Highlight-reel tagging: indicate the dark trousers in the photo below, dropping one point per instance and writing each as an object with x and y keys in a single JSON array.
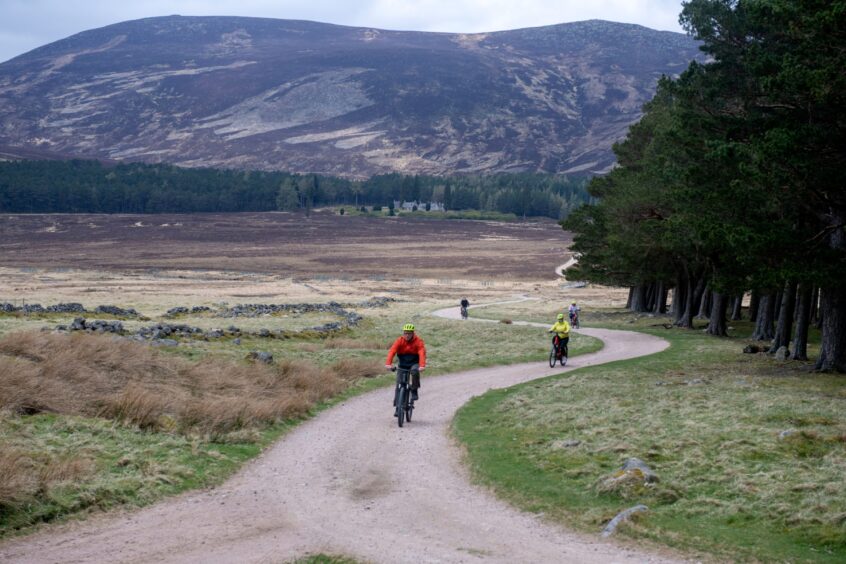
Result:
[
  {"x": 561, "y": 344},
  {"x": 415, "y": 374}
]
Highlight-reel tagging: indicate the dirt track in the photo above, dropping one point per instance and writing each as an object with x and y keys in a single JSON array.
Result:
[{"x": 350, "y": 482}]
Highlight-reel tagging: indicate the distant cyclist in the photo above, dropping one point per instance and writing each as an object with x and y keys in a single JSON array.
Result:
[
  {"x": 411, "y": 354},
  {"x": 574, "y": 314},
  {"x": 561, "y": 337},
  {"x": 464, "y": 305}
]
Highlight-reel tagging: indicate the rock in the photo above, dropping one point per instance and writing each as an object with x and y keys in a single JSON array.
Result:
[
  {"x": 611, "y": 527},
  {"x": 236, "y": 341},
  {"x": 260, "y": 356},
  {"x": 629, "y": 479},
  {"x": 696, "y": 381},
  {"x": 116, "y": 311},
  {"x": 165, "y": 343},
  {"x": 66, "y": 308},
  {"x": 638, "y": 464},
  {"x": 567, "y": 443},
  {"x": 786, "y": 433},
  {"x": 782, "y": 353}
]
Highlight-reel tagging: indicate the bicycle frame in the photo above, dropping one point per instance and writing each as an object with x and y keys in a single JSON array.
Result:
[{"x": 403, "y": 390}]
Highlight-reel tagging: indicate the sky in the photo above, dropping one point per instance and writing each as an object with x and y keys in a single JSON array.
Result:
[{"x": 27, "y": 24}]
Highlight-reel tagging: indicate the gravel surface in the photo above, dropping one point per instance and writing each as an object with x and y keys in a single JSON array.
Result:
[{"x": 351, "y": 482}]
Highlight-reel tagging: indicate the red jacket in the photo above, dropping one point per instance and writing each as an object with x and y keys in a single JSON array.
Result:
[{"x": 414, "y": 346}]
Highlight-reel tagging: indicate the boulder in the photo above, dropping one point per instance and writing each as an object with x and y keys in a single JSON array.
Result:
[
  {"x": 260, "y": 356},
  {"x": 611, "y": 527}
]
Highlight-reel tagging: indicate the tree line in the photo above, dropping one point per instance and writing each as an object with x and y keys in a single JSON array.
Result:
[
  {"x": 85, "y": 186},
  {"x": 732, "y": 183}
]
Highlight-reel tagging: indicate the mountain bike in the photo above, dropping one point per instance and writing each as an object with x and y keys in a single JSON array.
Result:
[
  {"x": 463, "y": 312},
  {"x": 403, "y": 404},
  {"x": 557, "y": 353},
  {"x": 574, "y": 320}
]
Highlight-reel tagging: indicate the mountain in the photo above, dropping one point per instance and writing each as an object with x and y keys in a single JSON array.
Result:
[{"x": 310, "y": 97}]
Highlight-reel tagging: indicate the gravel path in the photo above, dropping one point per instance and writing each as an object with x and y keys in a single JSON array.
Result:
[{"x": 351, "y": 482}]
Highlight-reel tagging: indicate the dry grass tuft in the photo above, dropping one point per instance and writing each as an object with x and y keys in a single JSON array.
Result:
[
  {"x": 18, "y": 480},
  {"x": 23, "y": 476},
  {"x": 103, "y": 376},
  {"x": 355, "y": 368},
  {"x": 346, "y": 343}
]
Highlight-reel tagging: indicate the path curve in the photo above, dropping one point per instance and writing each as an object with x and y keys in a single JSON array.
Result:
[{"x": 350, "y": 482}]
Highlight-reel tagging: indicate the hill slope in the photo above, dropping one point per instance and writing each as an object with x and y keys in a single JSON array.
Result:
[{"x": 312, "y": 97}]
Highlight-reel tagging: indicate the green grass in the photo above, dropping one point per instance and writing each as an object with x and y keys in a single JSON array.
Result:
[{"x": 706, "y": 418}]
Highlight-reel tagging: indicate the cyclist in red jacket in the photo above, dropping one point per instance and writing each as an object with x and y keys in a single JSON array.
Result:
[{"x": 411, "y": 353}]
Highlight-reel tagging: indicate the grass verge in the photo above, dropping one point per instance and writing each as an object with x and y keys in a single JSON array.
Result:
[{"x": 750, "y": 453}]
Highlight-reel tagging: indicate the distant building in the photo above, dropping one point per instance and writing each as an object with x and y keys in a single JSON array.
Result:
[{"x": 421, "y": 206}]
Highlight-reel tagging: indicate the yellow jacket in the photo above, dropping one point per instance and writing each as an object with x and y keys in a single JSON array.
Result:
[{"x": 562, "y": 328}]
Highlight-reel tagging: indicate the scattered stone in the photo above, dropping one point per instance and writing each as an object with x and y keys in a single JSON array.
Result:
[
  {"x": 696, "y": 381},
  {"x": 377, "y": 302},
  {"x": 786, "y": 433},
  {"x": 66, "y": 308},
  {"x": 260, "y": 356},
  {"x": 236, "y": 341},
  {"x": 97, "y": 326},
  {"x": 116, "y": 311},
  {"x": 782, "y": 353},
  {"x": 633, "y": 464},
  {"x": 631, "y": 477},
  {"x": 566, "y": 443},
  {"x": 164, "y": 343},
  {"x": 611, "y": 527}
]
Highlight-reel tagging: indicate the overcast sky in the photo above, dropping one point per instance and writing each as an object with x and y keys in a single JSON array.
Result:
[{"x": 27, "y": 24}]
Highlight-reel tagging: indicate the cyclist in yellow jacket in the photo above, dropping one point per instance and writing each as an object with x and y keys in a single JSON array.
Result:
[{"x": 561, "y": 337}]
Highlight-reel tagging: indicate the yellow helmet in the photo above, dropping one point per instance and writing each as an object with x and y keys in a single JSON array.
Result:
[
  {"x": 560, "y": 316},
  {"x": 408, "y": 327}
]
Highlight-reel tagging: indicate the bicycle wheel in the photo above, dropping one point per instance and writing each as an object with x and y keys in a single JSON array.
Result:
[
  {"x": 552, "y": 357},
  {"x": 408, "y": 409},
  {"x": 400, "y": 406}
]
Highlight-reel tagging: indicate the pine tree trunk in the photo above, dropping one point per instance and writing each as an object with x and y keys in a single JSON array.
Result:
[
  {"x": 833, "y": 345},
  {"x": 803, "y": 320},
  {"x": 639, "y": 299},
  {"x": 717, "y": 323},
  {"x": 737, "y": 308},
  {"x": 777, "y": 306},
  {"x": 764, "y": 321},
  {"x": 694, "y": 297},
  {"x": 660, "y": 305},
  {"x": 815, "y": 305},
  {"x": 784, "y": 328},
  {"x": 629, "y": 299},
  {"x": 679, "y": 297},
  {"x": 754, "y": 301},
  {"x": 704, "y": 305}
]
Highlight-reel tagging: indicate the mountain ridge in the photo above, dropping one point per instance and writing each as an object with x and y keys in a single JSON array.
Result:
[{"x": 305, "y": 96}]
